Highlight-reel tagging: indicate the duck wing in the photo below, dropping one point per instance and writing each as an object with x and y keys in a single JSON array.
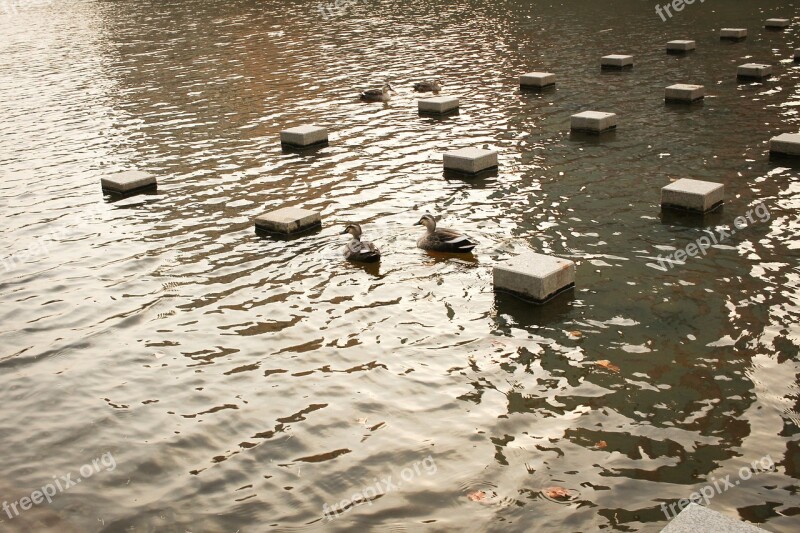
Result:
[
  {"x": 454, "y": 240},
  {"x": 365, "y": 252},
  {"x": 372, "y": 93}
]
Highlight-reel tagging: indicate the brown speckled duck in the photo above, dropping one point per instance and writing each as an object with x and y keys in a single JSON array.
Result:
[
  {"x": 358, "y": 251},
  {"x": 378, "y": 95},
  {"x": 428, "y": 86},
  {"x": 443, "y": 239}
]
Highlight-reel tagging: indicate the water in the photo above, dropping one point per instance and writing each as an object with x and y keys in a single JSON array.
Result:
[{"x": 241, "y": 384}]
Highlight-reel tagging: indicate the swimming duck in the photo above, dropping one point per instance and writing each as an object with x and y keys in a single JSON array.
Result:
[
  {"x": 443, "y": 239},
  {"x": 427, "y": 86},
  {"x": 361, "y": 252},
  {"x": 378, "y": 95}
]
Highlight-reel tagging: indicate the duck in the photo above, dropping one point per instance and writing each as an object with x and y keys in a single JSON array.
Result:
[
  {"x": 443, "y": 239},
  {"x": 358, "y": 251},
  {"x": 378, "y": 95},
  {"x": 428, "y": 86}
]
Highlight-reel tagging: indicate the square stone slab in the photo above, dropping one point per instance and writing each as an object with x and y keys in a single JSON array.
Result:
[
  {"x": 128, "y": 182},
  {"x": 616, "y": 61},
  {"x": 786, "y": 144},
  {"x": 692, "y": 195},
  {"x": 681, "y": 46},
  {"x": 754, "y": 71},
  {"x": 593, "y": 121},
  {"x": 438, "y": 105},
  {"x": 733, "y": 33},
  {"x": 777, "y": 24},
  {"x": 470, "y": 160},
  {"x": 697, "y": 519},
  {"x": 684, "y": 93},
  {"x": 534, "y": 277},
  {"x": 537, "y": 80},
  {"x": 797, "y": 54},
  {"x": 288, "y": 220},
  {"x": 304, "y": 136}
]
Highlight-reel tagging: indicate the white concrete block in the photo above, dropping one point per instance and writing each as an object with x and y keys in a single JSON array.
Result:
[
  {"x": 304, "y": 136},
  {"x": 534, "y": 277},
  {"x": 129, "y": 182},
  {"x": 797, "y": 54},
  {"x": 439, "y": 105},
  {"x": 617, "y": 61},
  {"x": 684, "y": 93},
  {"x": 754, "y": 71},
  {"x": 288, "y": 220},
  {"x": 470, "y": 160},
  {"x": 681, "y": 46},
  {"x": 537, "y": 80},
  {"x": 777, "y": 24},
  {"x": 733, "y": 33},
  {"x": 692, "y": 195},
  {"x": 593, "y": 121},
  {"x": 696, "y": 519},
  {"x": 786, "y": 144}
]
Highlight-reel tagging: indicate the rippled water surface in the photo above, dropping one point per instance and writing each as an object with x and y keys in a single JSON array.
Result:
[{"x": 242, "y": 383}]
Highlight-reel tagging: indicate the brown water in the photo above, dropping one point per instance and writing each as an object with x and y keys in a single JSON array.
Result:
[{"x": 240, "y": 383}]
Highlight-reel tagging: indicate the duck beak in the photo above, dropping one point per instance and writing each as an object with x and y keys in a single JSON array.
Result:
[
  {"x": 343, "y": 232},
  {"x": 419, "y": 223}
]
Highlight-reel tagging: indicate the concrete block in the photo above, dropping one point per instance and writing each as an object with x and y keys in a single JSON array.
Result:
[
  {"x": 684, "y": 93},
  {"x": 439, "y": 105},
  {"x": 734, "y": 34},
  {"x": 681, "y": 46},
  {"x": 288, "y": 220},
  {"x": 756, "y": 71},
  {"x": 786, "y": 144},
  {"x": 534, "y": 277},
  {"x": 537, "y": 80},
  {"x": 129, "y": 182},
  {"x": 593, "y": 121},
  {"x": 616, "y": 61},
  {"x": 692, "y": 195},
  {"x": 797, "y": 54},
  {"x": 695, "y": 518},
  {"x": 304, "y": 136},
  {"x": 777, "y": 24},
  {"x": 470, "y": 161}
]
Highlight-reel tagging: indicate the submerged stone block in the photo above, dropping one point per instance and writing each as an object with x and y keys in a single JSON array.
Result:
[
  {"x": 304, "y": 136},
  {"x": 470, "y": 161},
  {"x": 786, "y": 144},
  {"x": 777, "y": 24},
  {"x": 733, "y": 34},
  {"x": 537, "y": 80},
  {"x": 692, "y": 195},
  {"x": 534, "y": 277},
  {"x": 754, "y": 71},
  {"x": 695, "y": 518},
  {"x": 684, "y": 93},
  {"x": 797, "y": 54},
  {"x": 439, "y": 105},
  {"x": 616, "y": 61},
  {"x": 129, "y": 182},
  {"x": 288, "y": 220},
  {"x": 593, "y": 121},
  {"x": 681, "y": 46}
]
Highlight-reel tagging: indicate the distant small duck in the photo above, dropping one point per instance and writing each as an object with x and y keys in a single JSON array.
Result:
[
  {"x": 360, "y": 252},
  {"x": 428, "y": 86},
  {"x": 378, "y": 95},
  {"x": 442, "y": 239}
]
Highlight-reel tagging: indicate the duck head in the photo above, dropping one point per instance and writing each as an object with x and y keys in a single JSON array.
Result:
[
  {"x": 428, "y": 221},
  {"x": 354, "y": 230},
  {"x": 437, "y": 85},
  {"x": 388, "y": 89}
]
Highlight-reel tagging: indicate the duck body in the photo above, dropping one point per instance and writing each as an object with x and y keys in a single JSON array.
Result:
[
  {"x": 428, "y": 86},
  {"x": 357, "y": 250},
  {"x": 443, "y": 240},
  {"x": 377, "y": 95}
]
